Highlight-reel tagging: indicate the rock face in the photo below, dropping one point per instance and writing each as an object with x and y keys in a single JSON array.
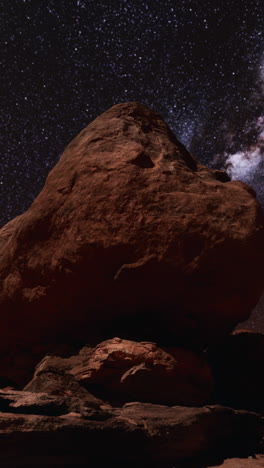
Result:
[
  {"x": 237, "y": 363},
  {"x": 58, "y": 421},
  {"x": 139, "y": 433},
  {"x": 122, "y": 371},
  {"x": 130, "y": 236},
  {"x": 257, "y": 461}
]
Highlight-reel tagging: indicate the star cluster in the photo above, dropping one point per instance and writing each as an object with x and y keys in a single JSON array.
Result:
[{"x": 65, "y": 62}]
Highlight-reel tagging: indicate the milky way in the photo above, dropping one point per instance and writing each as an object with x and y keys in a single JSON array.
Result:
[{"x": 201, "y": 65}]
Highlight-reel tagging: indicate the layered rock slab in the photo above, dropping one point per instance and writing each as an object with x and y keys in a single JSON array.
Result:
[
  {"x": 130, "y": 236},
  {"x": 136, "y": 433}
]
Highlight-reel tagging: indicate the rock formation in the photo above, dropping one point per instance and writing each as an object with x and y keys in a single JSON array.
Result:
[
  {"x": 55, "y": 422},
  {"x": 126, "y": 371},
  {"x": 132, "y": 237}
]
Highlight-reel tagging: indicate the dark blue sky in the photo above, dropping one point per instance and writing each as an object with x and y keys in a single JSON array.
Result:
[{"x": 201, "y": 65}]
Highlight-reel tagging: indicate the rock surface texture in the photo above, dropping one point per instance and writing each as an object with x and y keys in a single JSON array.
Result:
[
  {"x": 38, "y": 430},
  {"x": 257, "y": 461},
  {"x": 130, "y": 233},
  {"x": 130, "y": 237},
  {"x": 123, "y": 371},
  {"x": 55, "y": 421}
]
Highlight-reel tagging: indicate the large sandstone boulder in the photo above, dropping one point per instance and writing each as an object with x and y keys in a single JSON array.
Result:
[
  {"x": 123, "y": 370},
  {"x": 130, "y": 236}
]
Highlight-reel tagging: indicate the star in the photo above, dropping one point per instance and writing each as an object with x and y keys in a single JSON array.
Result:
[{"x": 64, "y": 63}]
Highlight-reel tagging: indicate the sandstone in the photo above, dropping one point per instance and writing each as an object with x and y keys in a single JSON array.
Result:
[
  {"x": 130, "y": 236},
  {"x": 32, "y": 403},
  {"x": 48, "y": 404},
  {"x": 123, "y": 370},
  {"x": 256, "y": 461},
  {"x": 141, "y": 433},
  {"x": 58, "y": 384}
]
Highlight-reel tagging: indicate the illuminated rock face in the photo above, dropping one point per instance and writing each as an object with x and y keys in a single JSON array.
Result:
[
  {"x": 38, "y": 430},
  {"x": 124, "y": 370},
  {"x": 130, "y": 237}
]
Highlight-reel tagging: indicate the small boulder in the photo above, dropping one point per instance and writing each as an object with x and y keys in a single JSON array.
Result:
[{"x": 122, "y": 370}]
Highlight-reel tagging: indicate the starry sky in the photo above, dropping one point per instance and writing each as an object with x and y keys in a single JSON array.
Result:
[{"x": 64, "y": 62}]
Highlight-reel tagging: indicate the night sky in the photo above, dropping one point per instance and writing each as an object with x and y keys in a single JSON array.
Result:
[{"x": 64, "y": 62}]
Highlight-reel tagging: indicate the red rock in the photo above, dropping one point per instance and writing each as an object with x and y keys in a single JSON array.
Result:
[
  {"x": 49, "y": 402},
  {"x": 32, "y": 403},
  {"x": 130, "y": 236},
  {"x": 138, "y": 433},
  {"x": 122, "y": 370},
  {"x": 255, "y": 461}
]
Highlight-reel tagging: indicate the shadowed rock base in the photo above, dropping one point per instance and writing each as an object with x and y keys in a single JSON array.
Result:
[{"x": 138, "y": 433}]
